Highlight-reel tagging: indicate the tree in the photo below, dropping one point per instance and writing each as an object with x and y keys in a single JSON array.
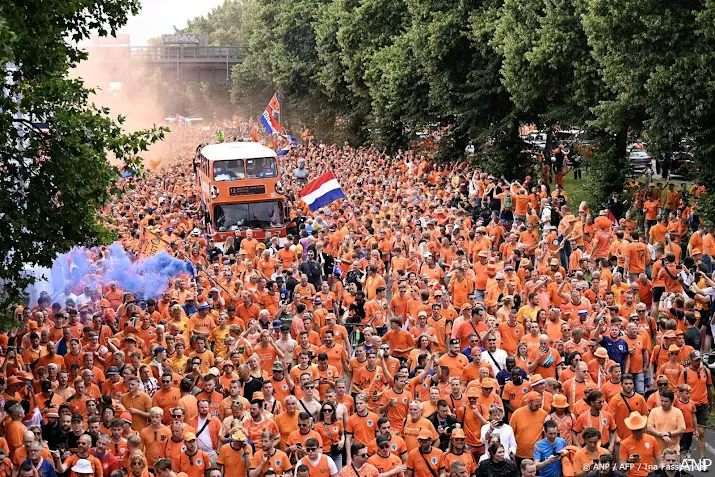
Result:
[
  {"x": 227, "y": 24},
  {"x": 55, "y": 181},
  {"x": 656, "y": 58},
  {"x": 548, "y": 68},
  {"x": 282, "y": 56}
]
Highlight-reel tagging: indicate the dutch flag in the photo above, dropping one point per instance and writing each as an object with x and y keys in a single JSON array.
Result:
[
  {"x": 322, "y": 191},
  {"x": 293, "y": 142}
]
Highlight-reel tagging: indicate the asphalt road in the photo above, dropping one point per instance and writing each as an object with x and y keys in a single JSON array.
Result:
[{"x": 710, "y": 451}]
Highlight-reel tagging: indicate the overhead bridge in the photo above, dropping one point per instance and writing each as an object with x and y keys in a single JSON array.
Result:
[{"x": 179, "y": 63}]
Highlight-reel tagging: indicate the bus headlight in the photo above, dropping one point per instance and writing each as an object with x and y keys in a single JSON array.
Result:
[
  {"x": 279, "y": 188},
  {"x": 214, "y": 192}
]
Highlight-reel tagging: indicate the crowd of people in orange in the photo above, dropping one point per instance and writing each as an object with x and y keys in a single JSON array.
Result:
[{"x": 440, "y": 321}]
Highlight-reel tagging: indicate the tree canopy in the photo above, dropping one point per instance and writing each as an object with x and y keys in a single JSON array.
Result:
[{"x": 54, "y": 144}]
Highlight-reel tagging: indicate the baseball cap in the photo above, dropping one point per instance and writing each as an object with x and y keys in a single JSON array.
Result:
[{"x": 382, "y": 439}]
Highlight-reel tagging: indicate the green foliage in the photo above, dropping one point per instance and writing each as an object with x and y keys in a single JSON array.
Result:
[
  {"x": 228, "y": 24},
  {"x": 706, "y": 210},
  {"x": 502, "y": 155},
  {"x": 53, "y": 184},
  {"x": 608, "y": 170}
]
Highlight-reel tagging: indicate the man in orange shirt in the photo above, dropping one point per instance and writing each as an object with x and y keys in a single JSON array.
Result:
[
  {"x": 154, "y": 436},
  {"x": 401, "y": 341},
  {"x": 598, "y": 419},
  {"x": 362, "y": 426},
  {"x": 460, "y": 287},
  {"x": 453, "y": 359},
  {"x": 394, "y": 402},
  {"x": 527, "y": 423},
  {"x": 699, "y": 379},
  {"x": 511, "y": 333},
  {"x": 624, "y": 403},
  {"x": 166, "y": 397},
  {"x": 424, "y": 461},
  {"x": 650, "y": 209},
  {"x": 337, "y": 356},
  {"x": 639, "y": 449},
  {"x": 234, "y": 457},
  {"x": 637, "y": 256}
]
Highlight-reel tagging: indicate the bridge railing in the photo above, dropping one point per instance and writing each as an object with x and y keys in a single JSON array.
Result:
[{"x": 188, "y": 53}]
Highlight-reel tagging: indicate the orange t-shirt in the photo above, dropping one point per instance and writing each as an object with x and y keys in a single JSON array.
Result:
[
  {"x": 420, "y": 463},
  {"x": 396, "y": 414},
  {"x": 399, "y": 340},
  {"x": 604, "y": 423},
  {"x": 234, "y": 464},
  {"x": 364, "y": 429},
  {"x": 646, "y": 448},
  {"x": 651, "y": 209},
  {"x": 528, "y": 426}
]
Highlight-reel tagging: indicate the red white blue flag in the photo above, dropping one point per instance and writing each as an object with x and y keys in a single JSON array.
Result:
[
  {"x": 322, "y": 191},
  {"x": 271, "y": 116}
]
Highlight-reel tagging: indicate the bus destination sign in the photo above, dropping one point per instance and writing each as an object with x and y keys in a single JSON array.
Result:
[{"x": 247, "y": 190}]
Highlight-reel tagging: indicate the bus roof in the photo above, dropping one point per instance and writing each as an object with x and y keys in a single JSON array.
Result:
[{"x": 236, "y": 150}]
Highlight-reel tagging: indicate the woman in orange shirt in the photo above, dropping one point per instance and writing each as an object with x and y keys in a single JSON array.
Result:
[{"x": 331, "y": 433}]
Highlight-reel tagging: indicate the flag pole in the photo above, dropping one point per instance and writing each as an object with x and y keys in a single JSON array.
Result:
[{"x": 280, "y": 113}]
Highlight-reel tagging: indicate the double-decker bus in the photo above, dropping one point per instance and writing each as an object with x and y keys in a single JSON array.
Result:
[{"x": 240, "y": 190}]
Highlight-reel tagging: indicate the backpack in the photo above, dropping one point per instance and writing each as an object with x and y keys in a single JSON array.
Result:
[{"x": 508, "y": 202}]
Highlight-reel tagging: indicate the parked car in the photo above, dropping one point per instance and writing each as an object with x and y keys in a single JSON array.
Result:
[
  {"x": 641, "y": 161},
  {"x": 680, "y": 162}
]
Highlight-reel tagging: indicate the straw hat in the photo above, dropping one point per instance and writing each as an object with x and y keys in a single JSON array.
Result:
[{"x": 636, "y": 421}]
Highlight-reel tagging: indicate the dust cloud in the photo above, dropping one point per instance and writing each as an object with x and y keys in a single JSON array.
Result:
[{"x": 129, "y": 90}]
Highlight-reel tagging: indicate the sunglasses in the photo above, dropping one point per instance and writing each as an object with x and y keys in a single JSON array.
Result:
[
  {"x": 311, "y": 449},
  {"x": 166, "y": 382},
  {"x": 384, "y": 446},
  {"x": 302, "y": 425},
  {"x": 327, "y": 410},
  {"x": 364, "y": 456}
]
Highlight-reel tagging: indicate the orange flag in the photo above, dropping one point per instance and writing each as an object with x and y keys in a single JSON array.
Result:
[
  {"x": 150, "y": 244},
  {"x": 254, "y": 135}
]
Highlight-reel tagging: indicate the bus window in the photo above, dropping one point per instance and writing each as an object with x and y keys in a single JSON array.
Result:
[
  {"x": 232, "y": 170},
  {"x": 252, "y": 214},
  {"x": 261, "y": 168}
]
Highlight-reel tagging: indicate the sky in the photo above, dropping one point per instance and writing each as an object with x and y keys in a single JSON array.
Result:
[{"x": 158, "y": 17}]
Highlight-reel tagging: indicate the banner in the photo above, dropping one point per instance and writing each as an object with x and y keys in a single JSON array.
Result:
[{"x": 150, "y": 244}]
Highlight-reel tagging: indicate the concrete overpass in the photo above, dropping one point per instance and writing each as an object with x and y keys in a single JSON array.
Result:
[{"x": 178, "y": 63}]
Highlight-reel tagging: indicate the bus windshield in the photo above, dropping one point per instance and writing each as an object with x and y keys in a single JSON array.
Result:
[
  {"x": 261, "y": 168},
  {"x": 231, "y": 170},
  {"x": 228, "y": 217}
]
